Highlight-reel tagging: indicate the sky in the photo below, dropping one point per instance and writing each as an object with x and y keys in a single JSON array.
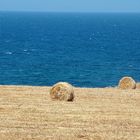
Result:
[{"x": 71, "y": 5}]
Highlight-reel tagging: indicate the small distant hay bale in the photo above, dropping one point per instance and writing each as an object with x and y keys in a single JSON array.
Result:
[
  {"x": 138, "y": 86},
  {"x": 62, "y": 91},
  {"x": 127, "y": 83}
]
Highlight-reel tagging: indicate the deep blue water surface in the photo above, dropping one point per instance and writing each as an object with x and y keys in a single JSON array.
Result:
[{"x": 87, "y": 50}]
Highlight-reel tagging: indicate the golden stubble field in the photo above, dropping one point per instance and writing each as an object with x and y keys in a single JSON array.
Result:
[{"x": 28, "y": 113}]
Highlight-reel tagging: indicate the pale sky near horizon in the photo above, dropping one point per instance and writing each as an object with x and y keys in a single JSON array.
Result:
[{"x": 71, "y": 5}]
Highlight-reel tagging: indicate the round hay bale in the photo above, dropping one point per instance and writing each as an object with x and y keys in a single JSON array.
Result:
[
  {"x": 138, "y": 86},
  {"x": 62, "y": 91},
  {"x": 127, "y": 83}
]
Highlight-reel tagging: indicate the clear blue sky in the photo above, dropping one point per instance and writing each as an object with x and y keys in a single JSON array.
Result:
[{"x": 71, "y": 5}]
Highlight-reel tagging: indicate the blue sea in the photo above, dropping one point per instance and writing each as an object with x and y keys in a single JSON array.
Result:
[{"x": 84, "y": 49}]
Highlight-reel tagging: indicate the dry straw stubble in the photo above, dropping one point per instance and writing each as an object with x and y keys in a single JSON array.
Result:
[{"x": 138, "y": 86}]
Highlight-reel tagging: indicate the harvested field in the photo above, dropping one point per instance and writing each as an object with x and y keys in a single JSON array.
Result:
[{"x": 96, "y": 114}]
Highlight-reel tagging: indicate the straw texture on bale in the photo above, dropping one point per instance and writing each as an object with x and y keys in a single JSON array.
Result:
[
  {"x": 127, "y": 83},
  {"x": 62, "y": 91}
]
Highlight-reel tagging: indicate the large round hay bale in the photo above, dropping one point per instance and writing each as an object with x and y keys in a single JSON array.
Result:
[
  {"x": 62, "y": 91},
  {"x": 138, "y": 86},
  {"x": 127, "y": 83}
]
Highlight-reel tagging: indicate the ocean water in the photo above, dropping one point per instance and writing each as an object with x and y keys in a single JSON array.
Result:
[{"x": 87, "y": 50}]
